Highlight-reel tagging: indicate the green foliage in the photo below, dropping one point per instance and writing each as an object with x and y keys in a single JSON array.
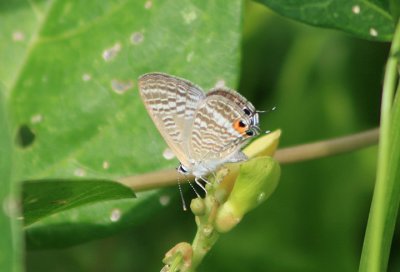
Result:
[
  {"x": 367, "y": 19},
  {"x": 70, "y": 71},
  {"x": 90, "y": 221},
  {"x": 395, "y": 9},
  {"x": 75, "y": 87},
  {"x": 42, "y": 198},
  {"x": 70, "y": 110}
]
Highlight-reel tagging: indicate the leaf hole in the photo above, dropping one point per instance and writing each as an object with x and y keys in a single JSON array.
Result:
[{"x": 25, "y": 136}]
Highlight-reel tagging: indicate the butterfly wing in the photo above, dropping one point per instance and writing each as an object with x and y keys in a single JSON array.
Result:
[
  {"x": 214, "y": 137},
  {"x": 171, "y": 103}
]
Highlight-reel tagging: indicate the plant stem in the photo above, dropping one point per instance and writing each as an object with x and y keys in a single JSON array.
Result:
[
  {"x": 327, "y": 148},
  {"x": 294, "y": 154},
  {"x": 201, "y": 245},
  {"x": 380, "y": 226}
]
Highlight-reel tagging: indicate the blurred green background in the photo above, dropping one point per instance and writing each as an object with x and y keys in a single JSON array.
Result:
[{"x": 324, "y": 84}]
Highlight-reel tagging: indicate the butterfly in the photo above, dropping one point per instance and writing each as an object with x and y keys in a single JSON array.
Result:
[{"x": 204, "y": 130}]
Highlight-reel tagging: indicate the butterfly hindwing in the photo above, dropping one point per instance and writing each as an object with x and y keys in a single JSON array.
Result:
[{"x": 213, "y": 136}]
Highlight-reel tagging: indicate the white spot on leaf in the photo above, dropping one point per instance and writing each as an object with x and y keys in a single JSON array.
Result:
[
  {"x": 86, "y": 77},
  {"x": 120, "y": 86},
  {"x": 189, "y": 16},
  {"x": 168, "y": 154},
  {"x": 356, "y": 9},
  {"x": 110, "y": 53},
  {"x": 115, "y": 215},
  {"x": 79, "y": 172},
  {"x": 106, "y": 165},
  {"x": 37, "y": 118},
  {"x": 18, "y": 36},
  {"x": 165, "y": 200},
  {"x": 373, "y": 32},
  {"x": 148, "y": 4},
  {"x": 220, "y": 83}
]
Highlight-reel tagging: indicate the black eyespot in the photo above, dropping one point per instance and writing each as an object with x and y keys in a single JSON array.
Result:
[
  {"x": 250, "y": 133},
  {"x": 241, "y": 123},
  {"x": 246, "y": 111}
]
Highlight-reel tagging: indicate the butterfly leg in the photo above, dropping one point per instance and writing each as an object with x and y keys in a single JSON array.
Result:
[
  {"x": 205, "y": 180},
  {"x": 196, "y": 179},
  {"x": 194, "y": 189}
]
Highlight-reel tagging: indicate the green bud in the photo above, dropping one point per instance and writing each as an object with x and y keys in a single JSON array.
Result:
[
  {"x": 257, "y": 180},
  {"x": 260, "y": 147},
  {"x": 198, "y": 207}
]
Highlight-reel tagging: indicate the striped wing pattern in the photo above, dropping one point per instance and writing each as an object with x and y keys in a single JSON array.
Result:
[
  {"x": 213, "y": 138},
  {"x": 171, "y": 103}
]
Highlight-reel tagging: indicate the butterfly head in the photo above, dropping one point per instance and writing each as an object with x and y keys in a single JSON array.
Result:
[{"x": 248, "y": 126}]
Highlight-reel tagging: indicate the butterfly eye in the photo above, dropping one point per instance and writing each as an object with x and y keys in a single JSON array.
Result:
[
  {"x": 246, "y": 111},
  {"x": 250, "y": 133}
]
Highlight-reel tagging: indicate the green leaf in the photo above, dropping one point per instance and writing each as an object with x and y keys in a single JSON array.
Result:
[
  {"x": 70, "y": 69},
  {"x": 92, "y": 221},
  {"x": 395, "y": 9},
  {"x": 44, "y": 197},
  {"x": 368, "y": 19},
  {"x": 76, "y": 88},
  {"x": 10, "y": 229}
]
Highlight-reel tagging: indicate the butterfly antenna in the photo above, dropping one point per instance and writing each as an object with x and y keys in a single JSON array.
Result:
[
  {"x": 182, "y": 198},
  {"x": 194, "y": 190},
  {"x": 266, "y": 111}
]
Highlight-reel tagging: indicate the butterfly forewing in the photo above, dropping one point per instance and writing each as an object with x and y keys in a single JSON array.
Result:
[{"x": 171, "y": 103}]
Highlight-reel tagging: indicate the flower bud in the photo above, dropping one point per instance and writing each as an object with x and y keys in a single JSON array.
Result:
[
  {"x": 257, "y": 180},
  {"x": 198, "y": 207},
  {"x": 262, "y": 146}
]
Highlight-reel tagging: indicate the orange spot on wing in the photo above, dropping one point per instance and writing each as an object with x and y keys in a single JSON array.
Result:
[{"x": 238, "y": 126}]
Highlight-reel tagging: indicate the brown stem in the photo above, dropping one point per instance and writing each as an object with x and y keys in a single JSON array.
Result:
[
  {"x": 294, "y": 154},
  {"x": 327, "y": 148}
]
